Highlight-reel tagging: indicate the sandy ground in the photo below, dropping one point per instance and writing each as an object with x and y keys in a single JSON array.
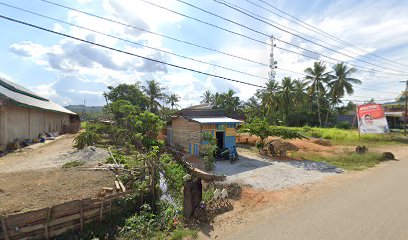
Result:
[
  {"x": 33, "y": 177},
  {"x": 261, "y": 214}
]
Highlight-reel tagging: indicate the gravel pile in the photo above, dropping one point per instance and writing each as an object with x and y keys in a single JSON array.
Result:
[
  {"x": 262, "y": 173},
  {"x": 88, "y": 154}
]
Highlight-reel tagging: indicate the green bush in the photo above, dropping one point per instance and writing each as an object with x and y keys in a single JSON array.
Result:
[
  {"x": 343, "y": 125},
  {"x": 87, "y": 138}
]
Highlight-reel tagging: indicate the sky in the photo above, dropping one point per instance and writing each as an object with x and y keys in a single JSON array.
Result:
[{"x": 68, "y": 71}]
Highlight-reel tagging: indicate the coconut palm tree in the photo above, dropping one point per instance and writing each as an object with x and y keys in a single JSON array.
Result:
[
  {"x": 316, "y": 78},
  {"x": 155, "y": 93},
  {"x": 206, "y": 97},
  {"x": 229, "y": 102},
  {"x": 268, "y": 96},
  {"x": 173, "y": 99},
  {"x": 341, "y": 82},
  {"x": 286, "y": 96}
]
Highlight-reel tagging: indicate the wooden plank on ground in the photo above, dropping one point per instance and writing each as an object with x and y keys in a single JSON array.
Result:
[
  {"x": 4, "y": 227},
  {"x": 122, "y": 186},
  {"x": 117, "y": 185}
]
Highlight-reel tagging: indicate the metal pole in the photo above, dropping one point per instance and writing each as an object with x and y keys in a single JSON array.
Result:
[{"x": 406, "y": 106}]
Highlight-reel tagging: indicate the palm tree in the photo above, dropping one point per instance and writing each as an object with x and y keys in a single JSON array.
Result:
[
  {"x": 206, "y": 97},
  {"x": 299, "y": 88},
  {"x": 229, "y": 102},
  {"x": 173, "y": 99},
  {"x": 316, "y": 77},
  {"x": 155, "y": 93},
  {"x": 341, "y": 82},
  {"x": 286, "y": 96},
  {"x": 268, "y": 96}
]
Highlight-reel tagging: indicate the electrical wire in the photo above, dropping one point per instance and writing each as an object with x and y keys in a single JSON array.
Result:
[
  {"x": 319, "y": 31},
  {"x": 132, "y": 42},
  {"x": 293, "y": 34},
  {"x": 256, "y": 40},
  {"x": 153, "y": 33},
  {"x": 262, "y": 42},
  {"x": 125, "y": 52}
]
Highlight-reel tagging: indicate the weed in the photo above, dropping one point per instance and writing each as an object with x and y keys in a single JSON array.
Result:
[
  {"x": 72, "y": 164},
  {"x": 345, "y": 160}
]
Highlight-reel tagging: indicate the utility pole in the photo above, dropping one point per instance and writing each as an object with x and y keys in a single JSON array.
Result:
[
  {"x": 272, "y": 62},
  {"x": 83, "y": 111},
  {"x": 406, "y": 106}
]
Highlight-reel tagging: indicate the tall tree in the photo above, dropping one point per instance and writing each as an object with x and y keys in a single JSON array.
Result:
[
  {"x": 128, "y": 92},
  {"x": 206, "y": 97},
  {"x": 341, "y": 82},
  {"x": 155, "y": 93},
  {"x": 286, "y": 96},
  {"x": 269, "y": 97},
  {"x": 316, "y": 78},
  {"x": 173, "y": 99},
  {"x": 230, "y": 103}
]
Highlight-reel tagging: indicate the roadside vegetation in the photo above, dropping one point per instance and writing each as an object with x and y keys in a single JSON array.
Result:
[
  {"x": 347, "y": 160},
  {"x": 139, "y": 114}
]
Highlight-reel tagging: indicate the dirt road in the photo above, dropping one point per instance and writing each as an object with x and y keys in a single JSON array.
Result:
[{"x": 374, "y": 206}]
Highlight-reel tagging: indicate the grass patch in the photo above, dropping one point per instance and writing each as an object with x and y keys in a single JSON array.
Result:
[
  {"x": 72, "y": 164},
  {"x": 347, "y": 160},
  {"x": 83, "y": 125}
]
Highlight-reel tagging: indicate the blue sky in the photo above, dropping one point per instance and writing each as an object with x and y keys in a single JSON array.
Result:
[{"x": 69, "y": 72}]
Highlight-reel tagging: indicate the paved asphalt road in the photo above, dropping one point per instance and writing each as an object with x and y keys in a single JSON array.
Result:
[{"x": 373, "y": 207}]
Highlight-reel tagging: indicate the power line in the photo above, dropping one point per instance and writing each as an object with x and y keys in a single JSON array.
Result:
[
  {"x": 125, "y": 52},
  {"x": 154, "y": 33},
  {"x": 263, "y": 42},
  {"x": 128, "y": 41},
  {"x": 293, "y": 34},
  {"x": 256, "y": 40},
  {"x": 319, "y": 31}
]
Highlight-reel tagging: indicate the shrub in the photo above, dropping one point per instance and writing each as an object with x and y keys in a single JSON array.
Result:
[
  {"x": 87, "y": 138},
  {"x": 343, "y": 125},
  {"x": 210, "y": 149},
  {"x": 73, "y": 164}
]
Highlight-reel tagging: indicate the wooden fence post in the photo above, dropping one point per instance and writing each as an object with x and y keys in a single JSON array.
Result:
[
  {"x": 5, "y": 233},
  {"x": 47, "y": 222},
  {"x": 101, "y": 212},
  {"x": 110, "y": 203},
  {"x": 81, "y": 212}
]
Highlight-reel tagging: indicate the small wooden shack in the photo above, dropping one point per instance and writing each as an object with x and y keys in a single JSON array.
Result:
[{"x": 188, "y": 124}]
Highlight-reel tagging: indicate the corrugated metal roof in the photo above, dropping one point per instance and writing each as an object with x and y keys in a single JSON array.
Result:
[
  {"x": 24, "y": 98},
  {"x": 216, "y": 120}
]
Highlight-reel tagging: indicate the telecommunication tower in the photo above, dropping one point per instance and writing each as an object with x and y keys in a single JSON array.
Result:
[{"x": 272, "y": 64}]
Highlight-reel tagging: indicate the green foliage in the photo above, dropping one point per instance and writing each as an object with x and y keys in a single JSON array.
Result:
[
  {"x": 128, "y": 92},
  {"x": 226, "y": 101},
  {"x": 160, "y": 224},
  {"x": 210, "y": 148},
  {"x": 72, "y": 164},
  {"x": 343, "y": 125},
  {"x": 148, "y": 124},
  {"x": 208, "y": 194},
  {"x": 87, "y": 138},
  {"x": 262, "y": 129},
  {"x": 174, "y": 173},
  {"x": 346, "y": 160}
]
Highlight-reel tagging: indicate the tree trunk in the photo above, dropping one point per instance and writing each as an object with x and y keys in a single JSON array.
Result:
[{"x": 318, "y": 108}]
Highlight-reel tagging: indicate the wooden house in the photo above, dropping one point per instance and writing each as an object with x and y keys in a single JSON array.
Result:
[{"x": 188, "y": 124}]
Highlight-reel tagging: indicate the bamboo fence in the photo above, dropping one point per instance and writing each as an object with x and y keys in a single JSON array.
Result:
[{"x": 53, "y": 221}]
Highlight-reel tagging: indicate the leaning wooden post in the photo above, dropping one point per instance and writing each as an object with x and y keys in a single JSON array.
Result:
[{"x": 101, "y": 212}]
